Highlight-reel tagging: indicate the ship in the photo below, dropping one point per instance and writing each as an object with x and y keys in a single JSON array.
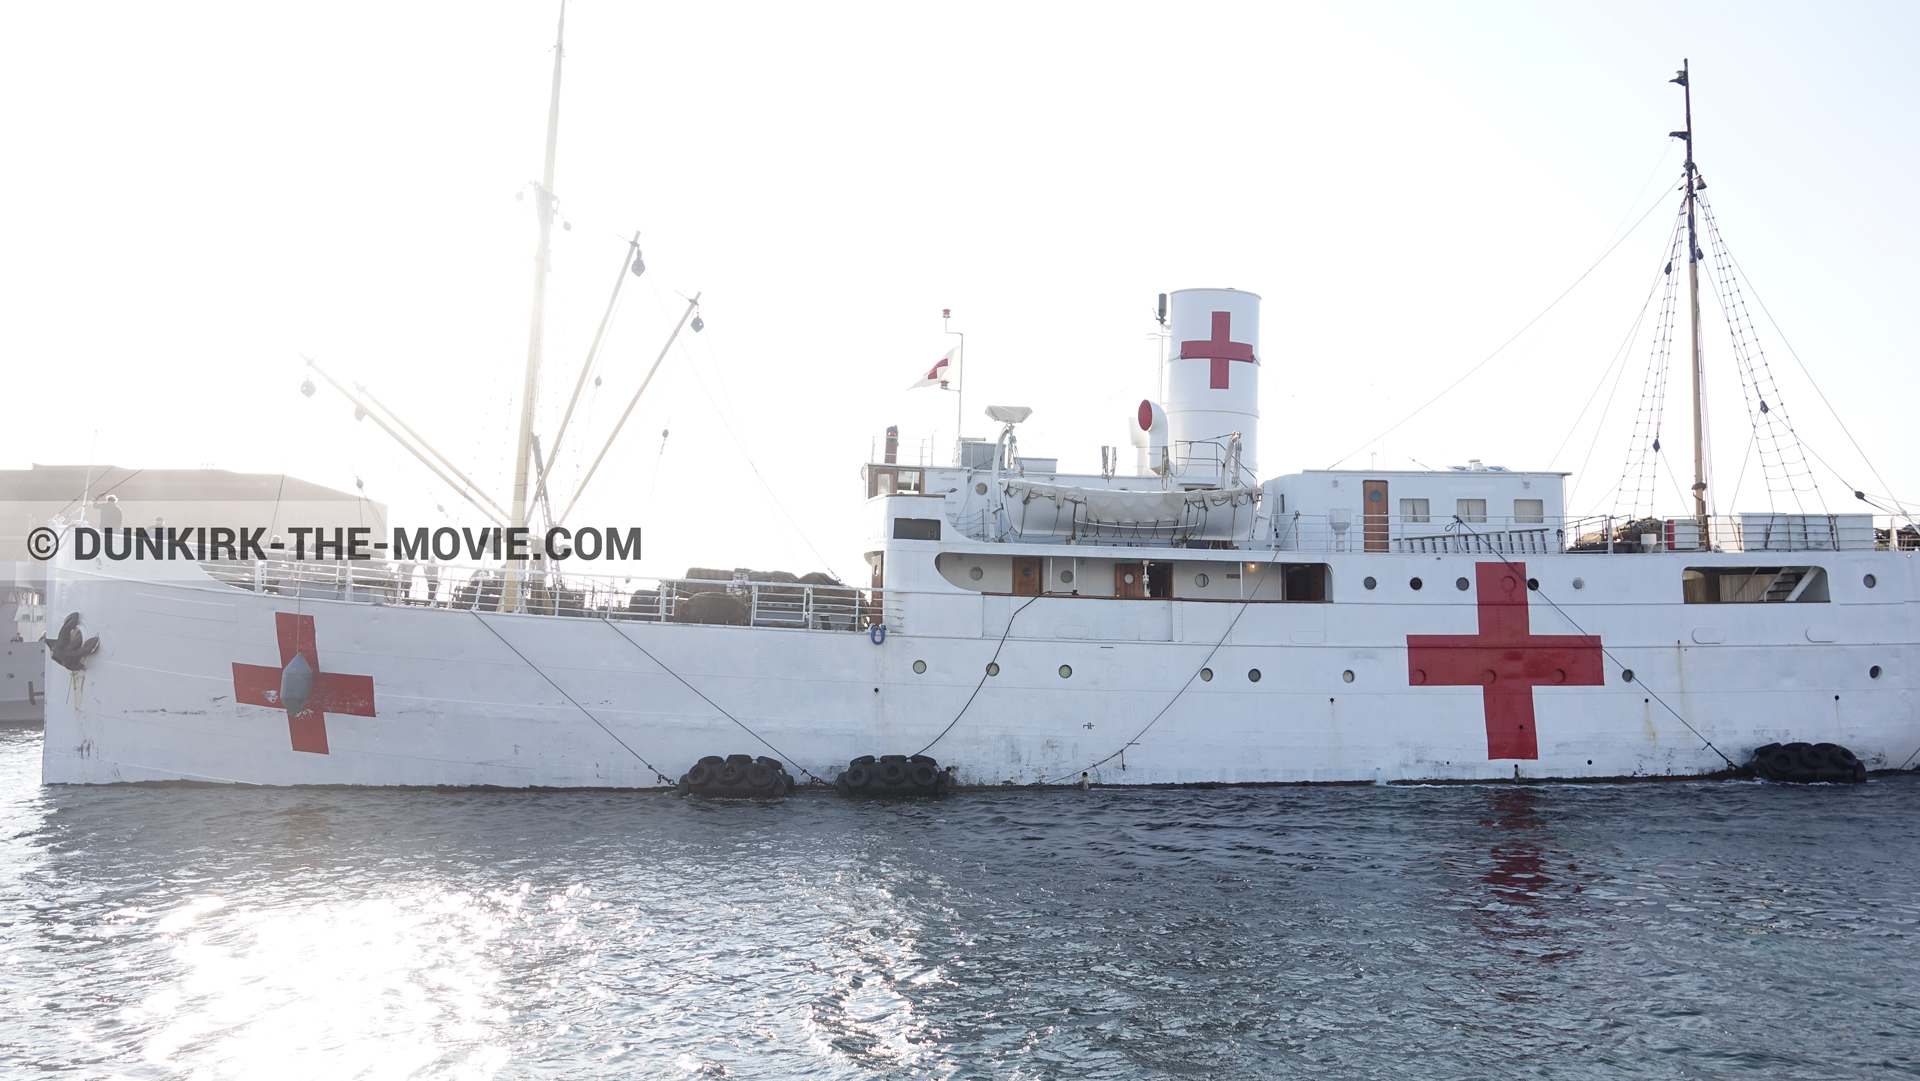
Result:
[{"x": 1181, "y": 619}]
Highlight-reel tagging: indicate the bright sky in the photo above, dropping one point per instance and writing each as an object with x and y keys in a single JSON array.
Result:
[{"x": 201, "y": 194}]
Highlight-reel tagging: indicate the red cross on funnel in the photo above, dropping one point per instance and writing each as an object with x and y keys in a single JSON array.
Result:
[
  {"x": 300, "y": 687},
  {"x": 1220, "y": 348},
  {"x": 1505, "y": 660}
]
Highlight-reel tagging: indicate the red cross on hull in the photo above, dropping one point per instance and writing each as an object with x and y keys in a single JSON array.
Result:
[
  {"x": 1220, "y": 349},
  {"x": 1505, "y": 660},
  {"x": 259, "y": 685}
]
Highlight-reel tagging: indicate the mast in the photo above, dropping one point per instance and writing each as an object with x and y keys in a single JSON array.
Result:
[
  {"x": 543, "y": 205},
  {"x": 1693, "y": 308}
]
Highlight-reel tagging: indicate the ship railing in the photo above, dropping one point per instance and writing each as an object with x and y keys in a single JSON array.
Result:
[
  {"x": 1344, "y": 531},
  {"x": 803, "y": 605},
  {"x": 1440, "y": 534},
  {"x": 1765, "y": 531}
]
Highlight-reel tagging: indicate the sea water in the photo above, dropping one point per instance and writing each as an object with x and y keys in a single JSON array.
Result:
[{"x": 1661, "y": 930}]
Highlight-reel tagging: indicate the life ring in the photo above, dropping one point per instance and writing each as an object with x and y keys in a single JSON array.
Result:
[{"x": 878, "y": 633}]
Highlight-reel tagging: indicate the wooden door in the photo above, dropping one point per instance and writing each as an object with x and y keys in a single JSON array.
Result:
[
  {"x": 1373, "y": 516},
  {"x": 1026, "y": 576},
  {"x": 1130, "y": 580}
]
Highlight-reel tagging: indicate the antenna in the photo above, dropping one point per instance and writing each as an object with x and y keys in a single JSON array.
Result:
[{"x": 960, "y": 391}]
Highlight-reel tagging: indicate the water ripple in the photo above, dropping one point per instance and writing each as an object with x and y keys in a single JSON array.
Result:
[{"x": 1659, "y": 931}]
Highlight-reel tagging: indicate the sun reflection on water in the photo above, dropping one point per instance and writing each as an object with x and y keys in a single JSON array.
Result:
[{"x": 384, "y": 987}]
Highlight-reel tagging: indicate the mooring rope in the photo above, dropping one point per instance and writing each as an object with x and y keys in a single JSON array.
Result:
[
  {"x": 563, "y": 693},
  {"x": 1244, "y": 605},
  {"x": 984, "y": 673},
  {"x": 683, "y": 682}
]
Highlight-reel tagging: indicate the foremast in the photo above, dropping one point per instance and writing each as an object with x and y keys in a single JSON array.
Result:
[{"x": 543, "y": 206}]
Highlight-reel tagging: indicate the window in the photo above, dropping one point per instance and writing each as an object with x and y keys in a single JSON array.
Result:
[
  {"x": 916, "y": 529},
  {"x": 883, "y": 482},
  {"x": 909, "y": 480},
  {"x": 1753, "y": 585},
  {"x": 1529, "y": 510},
  {"x": 1471, "y": 510},
  {"x": 1305, "y": 581},
  {"x": 1413, "y": 510}
]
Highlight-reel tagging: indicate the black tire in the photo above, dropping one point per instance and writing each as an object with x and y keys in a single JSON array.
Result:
[
  {"x": 893, "y": 773},
  {"x": 712, "y": 760},
  {"x": 699, "y": 776},
  {"x": 924, "y": 775},
  {"x": 1838, "y": 756},
  {"x": 859, "y": 775},
  {"x": 841, "y": 786},
  {"x": 863, "y": 760},
  {"x": 732, "y": 773},
  {"x": 1778, "y": 762},
  {"x": 760, "y": 775},
  {"x": 1807, "y": 757}
]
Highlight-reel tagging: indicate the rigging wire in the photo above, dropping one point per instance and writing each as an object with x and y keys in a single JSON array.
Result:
[
  {"x": 740, "y": 445},
  {"x": 563, "y": 693},
  {"x": 683, "y": 682},
  {"x": 1643, "y": 446},
  {"x": 1783, "y": 461},
  {"x": 1618, "y": 355},
  {"x": 1503, "y": 345},
  {"x": 1651, "y": 693},
  {"x": 1795, "y": 354}
]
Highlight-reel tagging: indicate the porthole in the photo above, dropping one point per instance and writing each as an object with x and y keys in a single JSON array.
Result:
[
  {"x": 1461, "y": 584},
  {"x": 919, "y": 668},
  {"x": 1128, "y": 578},
  {"x": 1626, "y": 676},
  {"x": 976, "y": 574},
  {"x": 1206, "y": 675},
  {"x": 1066, "y": 671},
  {"x": 1253, "y": 675},
  {"x": 980, "y": 489},
  {"x": 1369, "y": 582},
  {"x": 1415, "y": 583},
  {"x": 1874, "y": 672},
  {"x": 993, "y": 668},
  {"x": 1066, "y": 577},
  {"x": 1347, "y": 676},
  {"x": 1533, "y": 583},
  {"x": 1579, "y": 583},
  {"x": 1869, "y": 581},
  {"x": 1201, "y": 580}
]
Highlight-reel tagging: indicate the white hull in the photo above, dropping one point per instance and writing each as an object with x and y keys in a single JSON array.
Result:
[{"x": 455, "y": 704}]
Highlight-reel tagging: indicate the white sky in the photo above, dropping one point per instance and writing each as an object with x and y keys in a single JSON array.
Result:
[{"x": 197, "y": 195}]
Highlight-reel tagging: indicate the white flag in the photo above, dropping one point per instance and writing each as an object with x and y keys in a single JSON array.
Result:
[{"x": 944, "y": 374}]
